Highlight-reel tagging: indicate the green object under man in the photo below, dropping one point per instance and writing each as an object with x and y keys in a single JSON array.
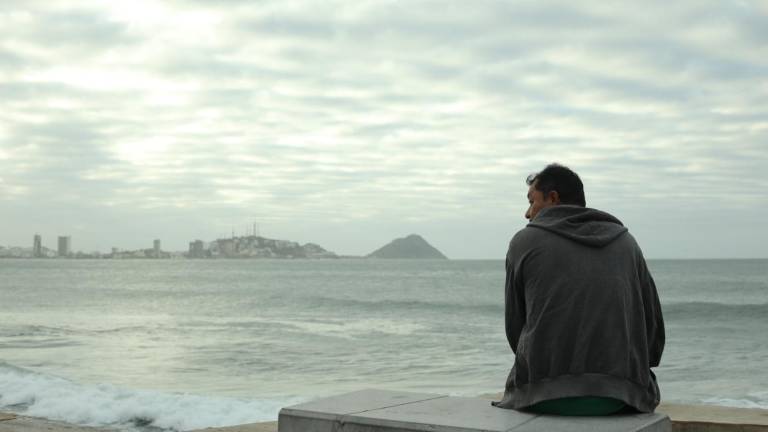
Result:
[{"x": 582, "y": 313}]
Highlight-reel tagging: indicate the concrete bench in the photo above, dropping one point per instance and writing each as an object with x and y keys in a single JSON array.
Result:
[{"x": 391, "y": 411}]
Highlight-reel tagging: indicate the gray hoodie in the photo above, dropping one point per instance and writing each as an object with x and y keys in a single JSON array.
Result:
[{"x": 582, "y": 312}]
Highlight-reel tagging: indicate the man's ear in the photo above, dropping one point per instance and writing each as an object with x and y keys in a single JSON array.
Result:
[{"x": 553, "y": 197}]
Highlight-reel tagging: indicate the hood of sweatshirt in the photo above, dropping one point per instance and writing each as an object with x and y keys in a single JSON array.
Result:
[{"x": 583, "y": 225}]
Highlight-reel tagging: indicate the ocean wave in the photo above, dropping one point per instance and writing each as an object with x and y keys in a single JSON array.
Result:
[
  {"x": 50, "y": 331},
  {"x": 713, "y": 310},
  {"x": 104, "y": 405},
  {"x": 681, "y": 310},
  {"x": 37, "y": 343},
  {"x": 408, "y": 305},
  {"x": 349, "y": 328},
  {"x": 34, "y": 331},
  {"x": 354, "y": 328},
  {"x": 35, "y": 336}
]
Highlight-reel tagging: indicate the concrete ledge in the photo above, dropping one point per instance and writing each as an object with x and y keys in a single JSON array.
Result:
[{"x": 389, "y": 411}]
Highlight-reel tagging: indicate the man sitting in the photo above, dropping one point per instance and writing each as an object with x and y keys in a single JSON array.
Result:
[{"x": 582, "y": 314}]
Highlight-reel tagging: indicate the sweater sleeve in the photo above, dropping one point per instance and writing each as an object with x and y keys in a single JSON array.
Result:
[
  {"x": 514, "y": 303},
  {"x": 654, "y": 321}
]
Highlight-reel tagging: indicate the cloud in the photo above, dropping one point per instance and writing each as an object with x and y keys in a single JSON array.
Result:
[{"x": 388, "y": 115}]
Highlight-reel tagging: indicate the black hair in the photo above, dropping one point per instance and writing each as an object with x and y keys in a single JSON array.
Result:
[{"x": 559, "y": 178}]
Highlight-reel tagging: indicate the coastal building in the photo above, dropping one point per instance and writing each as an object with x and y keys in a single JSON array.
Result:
[
  {"x": 37, "y": 246},
  {"x": 156, "y": 248},
  {"x": 227, "y": 247},
  {"x": 65, "y": 246},
  {"x": 196, "y": 249}
]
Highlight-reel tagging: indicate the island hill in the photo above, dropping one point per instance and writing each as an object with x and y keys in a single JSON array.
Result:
[{"x": 410, "y": 247}]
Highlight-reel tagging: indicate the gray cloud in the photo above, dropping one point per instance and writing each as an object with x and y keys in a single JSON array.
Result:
[{"x": 329, "y": 120}]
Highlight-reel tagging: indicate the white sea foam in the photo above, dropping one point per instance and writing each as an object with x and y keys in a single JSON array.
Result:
[
  {"x": 337, "y": 327},
  {"x": 348, "y": 328},
  {"x": 56, "y": 398},
  {"x": 753, "y": 400},
  {"x": 353, "y": 328}
]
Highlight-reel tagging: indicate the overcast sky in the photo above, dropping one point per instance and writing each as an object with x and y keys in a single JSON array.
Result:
[{"x": 350, "y": 123}]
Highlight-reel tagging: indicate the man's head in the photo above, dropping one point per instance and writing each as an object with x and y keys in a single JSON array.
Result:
[{"x": 554, "y": 185}]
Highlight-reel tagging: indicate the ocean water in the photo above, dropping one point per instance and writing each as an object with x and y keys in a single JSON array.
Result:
[{"x": 180, "y": 345}]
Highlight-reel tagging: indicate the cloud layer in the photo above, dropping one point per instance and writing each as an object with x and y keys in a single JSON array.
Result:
[{"x": 348, "y": 124}]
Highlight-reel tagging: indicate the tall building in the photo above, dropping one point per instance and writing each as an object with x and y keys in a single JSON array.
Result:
[
  {"x": 156, "y": 248},
  {"x": 196, "y": 249},
  {"x": 65, "y": 246},
  {"x": 37, "y": 246}
]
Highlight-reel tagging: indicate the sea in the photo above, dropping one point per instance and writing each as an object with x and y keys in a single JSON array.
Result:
[{"x": 177, "y": 345}]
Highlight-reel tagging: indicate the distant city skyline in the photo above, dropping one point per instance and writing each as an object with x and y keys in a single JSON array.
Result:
[
  {"x": 63, "y": 246},
  {"x": 64, "y": 243},
  {"x": 247, "y": 246},
  {"x": 348, "y": 124}
]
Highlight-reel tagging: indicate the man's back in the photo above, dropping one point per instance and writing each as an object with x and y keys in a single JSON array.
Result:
[
  {"x": 577, "y": 312},
  {"x": 582, "y": 312}
]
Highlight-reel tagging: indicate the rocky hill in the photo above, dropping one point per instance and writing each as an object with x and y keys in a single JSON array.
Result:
[
  {"x": 259, "y": 247},
  {"x": 411, "y": 247}
]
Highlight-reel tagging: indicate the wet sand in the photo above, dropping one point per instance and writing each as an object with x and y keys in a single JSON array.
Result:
[{"x": 18, "y": 423}]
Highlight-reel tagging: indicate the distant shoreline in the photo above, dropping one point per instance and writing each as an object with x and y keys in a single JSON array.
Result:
[{"x": 339, "y": 258}]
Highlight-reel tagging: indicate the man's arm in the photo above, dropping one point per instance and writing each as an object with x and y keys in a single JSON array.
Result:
[
  {"x": 654, "y": 321},
  {"x": 514, "y": 303}
]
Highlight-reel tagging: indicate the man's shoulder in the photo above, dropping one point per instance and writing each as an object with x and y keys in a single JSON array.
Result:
[
  {"x": 532, "y": 236},
  {"x": 526, "y": 238},
  {"x": 528, "y": 233}
]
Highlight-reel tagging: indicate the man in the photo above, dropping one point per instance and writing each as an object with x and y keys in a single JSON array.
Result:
[{"x": 582, "y": 313}]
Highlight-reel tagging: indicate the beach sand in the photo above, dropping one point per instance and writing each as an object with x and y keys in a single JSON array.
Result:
[
  {"x": 253, "y": 427},
  {"x": 17, "y": 423}
]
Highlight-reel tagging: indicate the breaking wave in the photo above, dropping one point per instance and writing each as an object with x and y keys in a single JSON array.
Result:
[
  {"x": 104, "y": 405},
  {"x": 408, "y": 305},
  {"x": 752, "y": 400}
]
